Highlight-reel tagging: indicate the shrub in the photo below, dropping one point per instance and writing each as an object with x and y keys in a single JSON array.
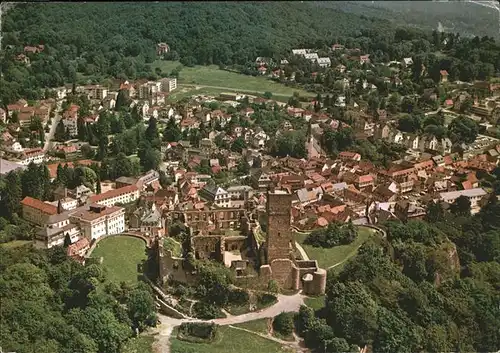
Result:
[
  {"x": 273, "y": 286},
  {"x": 303, "y": 319},
  {"x": 238, "y": 297},
  {"x": 333, "y": 235},
  {"x": 266, "y": 299},
  {"x": 206, "y": 311},
  {"x": 283, "y": 323},
  {"x": 197, "y": 331}
]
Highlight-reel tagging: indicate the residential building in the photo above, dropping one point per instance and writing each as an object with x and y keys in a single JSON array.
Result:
[
  {"x": 36, "y": 211},
  {"x": 168, "y": 84},
  {"x": 324, "y": 62},
  {"x": 35, "y": 155},
  {"x": 216, "y": 195},
  {"x": 162, "y": 48},
  {"x": 122, "y": 195},
  {"x": 474, "y": 196},
  {"x": 96, "y": 92}
]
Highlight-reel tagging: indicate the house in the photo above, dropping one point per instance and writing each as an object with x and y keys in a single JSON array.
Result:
[
  {"x": 262, "y": 70},
  {"x": 147, "y": 218},
  {"x": 34, "y": 50},
  {"x": 78, "y": 249},
  {"x": 444, "y": 76},
  {"x": 216, "y": 195},
  {"x": 337, "y": 46},
  {"x": 162, "y": 48},
  {"x": 35, "y": 155},
  {"x": 70, "y": 119},
  {"x": 122, "y": 195},
  {"x": 324, "y": 62},
  {"x": 349, "y": 156},
  {"x": 406, "y": 62},
  {"x": 299, "y": 52},
  {"x": 364, "y": 59},
  {"x": 311, "y": 56},
  {"x": 262, "y": 61}
]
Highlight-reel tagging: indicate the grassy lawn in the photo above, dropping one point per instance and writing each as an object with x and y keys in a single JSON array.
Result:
[
  {"x": 229, "y": 340},
  {"x": 259, "y": 325},
  {"x": 141, "y": 344},
  {"x": 315, "y": 303},
  {"x": 15, "y": 243},
  {"x": 172, "y": 245},
  {"x": 121, "y": 256},
  {"x": 332, "y": 256},
  {"x": 214, "y": 77}
]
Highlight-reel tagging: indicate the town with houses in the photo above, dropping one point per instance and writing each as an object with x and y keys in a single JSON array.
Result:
[{"x": 225, "y": 215}]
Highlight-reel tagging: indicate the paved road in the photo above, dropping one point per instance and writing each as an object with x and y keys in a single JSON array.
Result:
[
  {"x": 286, "y": 303},
  {"x": 50, "y": 135}
]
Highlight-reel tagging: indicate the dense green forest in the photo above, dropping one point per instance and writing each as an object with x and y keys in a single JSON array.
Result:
[
  {"x": 411, "y": 292},
  {"x": 51, "y": 303}
]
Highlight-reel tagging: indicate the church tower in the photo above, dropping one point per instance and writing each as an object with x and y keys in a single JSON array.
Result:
[{"x": 279, "y": 241}]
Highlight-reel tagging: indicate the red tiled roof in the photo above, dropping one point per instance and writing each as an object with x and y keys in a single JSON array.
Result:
[
  {"x": 443, "y": 72},
  {"x": 39, "y": 205},
  {"x": 53, "y": 167},
  {"x": 75, "y": 248},
  {"x": 113, "y": 193}
]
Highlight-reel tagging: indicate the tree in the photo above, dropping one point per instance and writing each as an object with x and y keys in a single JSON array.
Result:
[
  {"x": 283, "y": 323},
  {"x": 121, "y": 100},
  {"x": 141, "y": 308},
  {"x": 60, "y": 134},
  {"x": 150, "y": 159},
  {"x": 463, "y": 130},
  {"x": 238, "y": 145},
  {"x": 11, "y": 194},
  {"x": 461, "y": 206}
]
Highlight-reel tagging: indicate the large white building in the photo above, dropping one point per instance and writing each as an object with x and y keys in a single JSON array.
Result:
[
  {"x": 474, "y": 196},
  {"x": 99, "y": 220},
  {"x": 168, "y": 84},
  {"x": 122, "y": 195}
]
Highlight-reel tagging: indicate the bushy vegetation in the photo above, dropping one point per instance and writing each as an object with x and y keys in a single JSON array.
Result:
[
  {"x": 283, "y": 324},
  {"x": 197, "y": 331},
  {"x": 51, "y": 303},
  {"x": 334, "y": 234},
  {"x": 413, "y": 292}
]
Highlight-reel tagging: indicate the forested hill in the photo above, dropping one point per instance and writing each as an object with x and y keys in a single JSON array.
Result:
[
  {"x": 119, "y": 39},
  {"x": 209, "y": 32},
  {"x": 462, "y": 17}
]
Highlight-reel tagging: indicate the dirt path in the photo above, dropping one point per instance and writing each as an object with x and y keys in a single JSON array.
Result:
[
  {"x": 231, "y": 89},
  {"x": 285, "y": 303}
]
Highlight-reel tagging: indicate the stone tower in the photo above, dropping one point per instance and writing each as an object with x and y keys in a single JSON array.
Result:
[{"x": 279, "y": 242}]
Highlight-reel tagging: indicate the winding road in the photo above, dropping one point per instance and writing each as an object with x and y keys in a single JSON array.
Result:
[{"x": 285, "y": 303}]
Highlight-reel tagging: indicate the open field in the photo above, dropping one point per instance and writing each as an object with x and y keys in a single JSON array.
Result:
[
  {"x": 329, "y": 257},
  {"x": 15, "y": 243},
  {"x": 220, "y": 80},
  {"x": 141, "y": 344},
  {"x": 229, "y": 340},
  {"x": 315, "y": 303},
  {"x": 121, "y": 257},
  {"x": 259, "y": 325}
]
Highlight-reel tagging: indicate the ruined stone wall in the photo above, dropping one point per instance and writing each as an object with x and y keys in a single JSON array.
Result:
[
  {"x": 285, "y": 273},
  {"x": 208, "y": 247},
  {"x": 279, "y": 235},
  {"x": 173, "y": 268}
]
